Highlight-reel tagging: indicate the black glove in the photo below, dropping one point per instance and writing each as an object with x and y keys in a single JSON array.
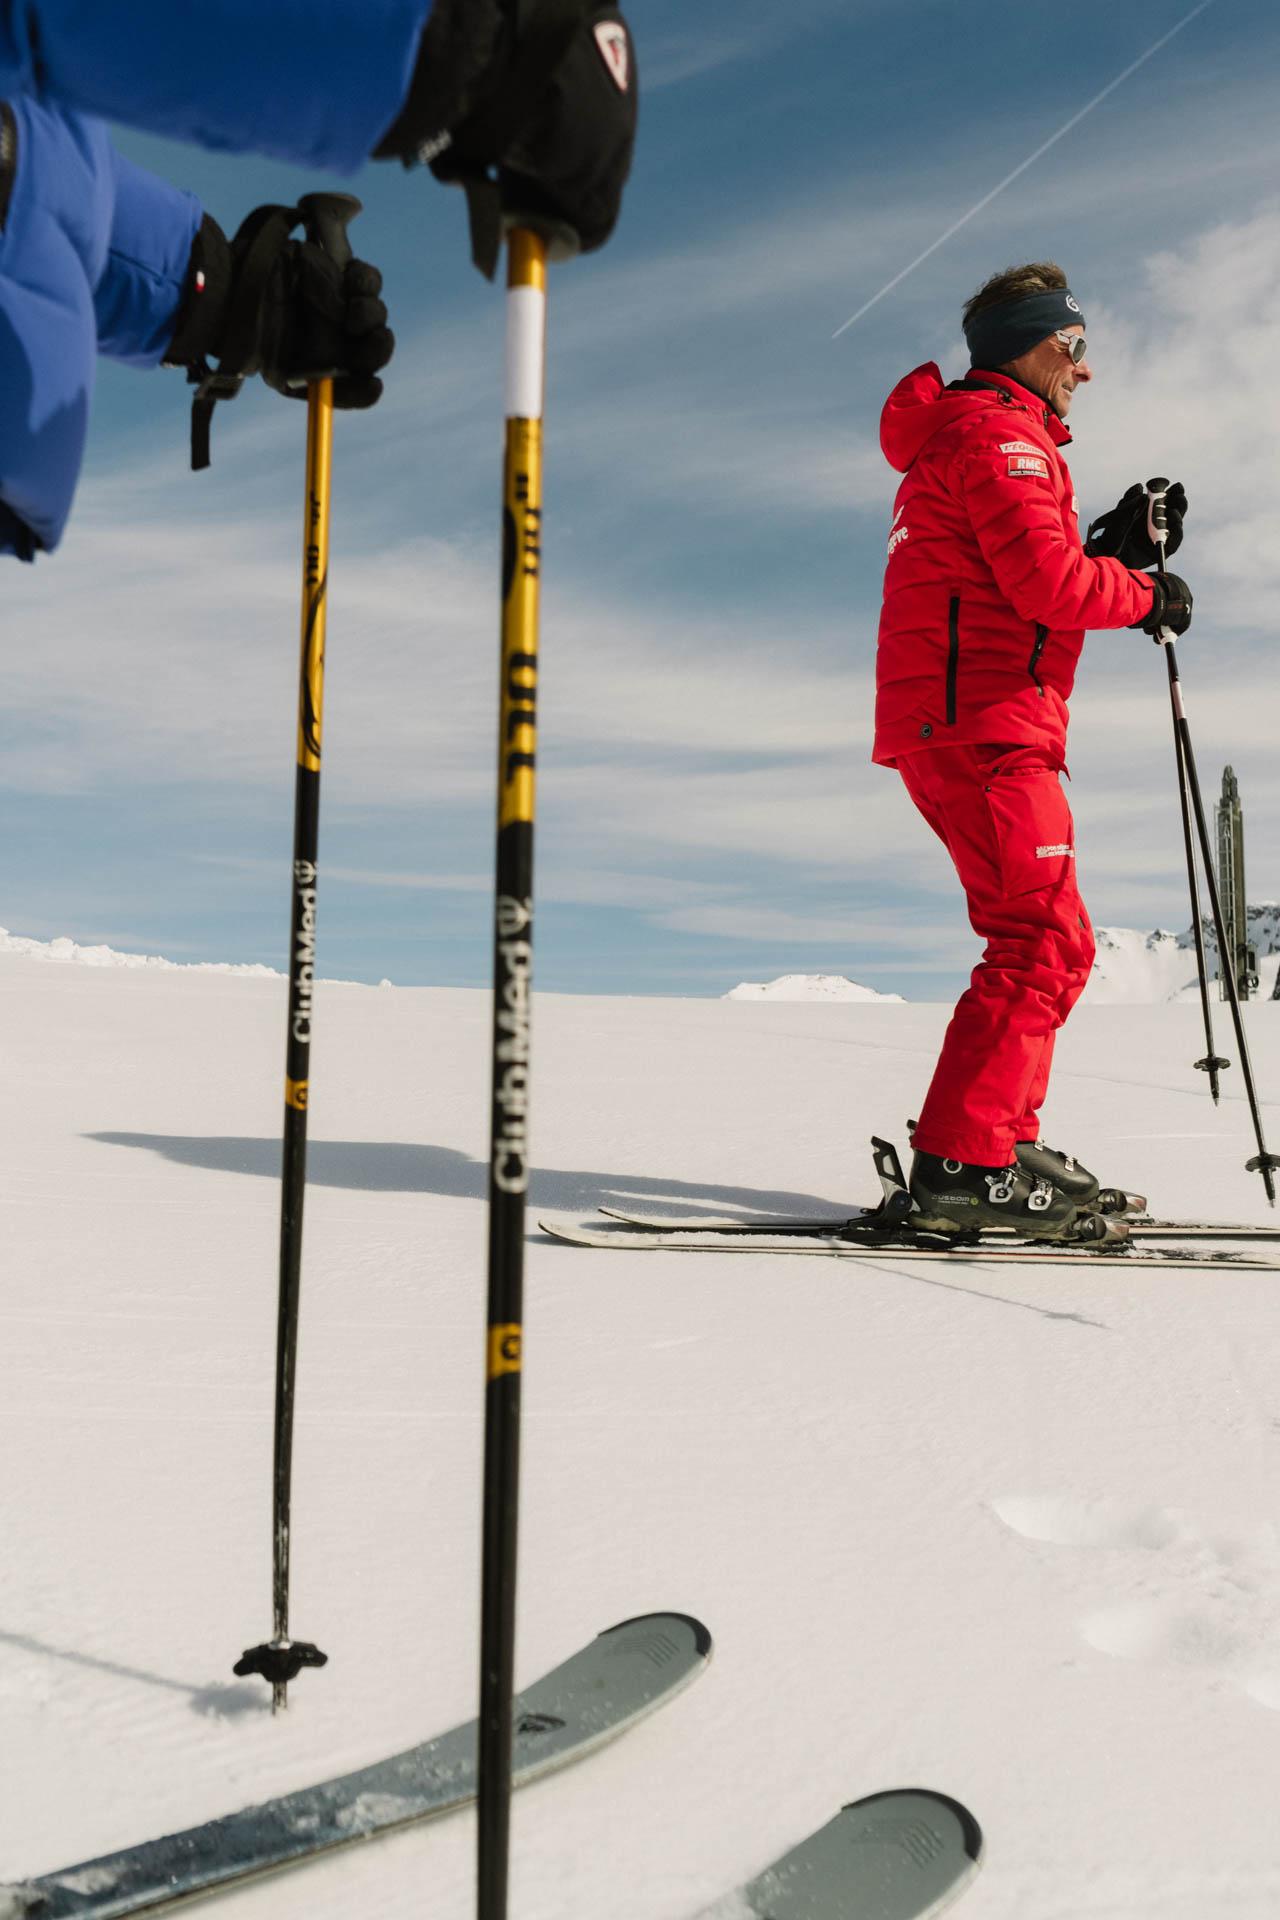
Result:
[
  {"x": 266, "y": 303},
  {"x": 1122, "y": 533},
  {"x": 529, "y": 104},
  {"x": 1170, "y": 607}
]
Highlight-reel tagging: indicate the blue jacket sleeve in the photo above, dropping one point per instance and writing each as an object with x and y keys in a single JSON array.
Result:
[
  {"x": 93, "y": 257},
  {"x": 53, "y": 248},
  {"x": 314, "y": 81},
  {"x": 136, "y": 300}
]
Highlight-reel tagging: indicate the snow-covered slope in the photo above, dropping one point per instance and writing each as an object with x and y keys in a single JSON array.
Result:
[
  {"x": 1135, "y": 968},
  {"x": 1008, "y": 1531},
  {"x": 807, "y": 986},
  {"x": 66, "y": 952}
]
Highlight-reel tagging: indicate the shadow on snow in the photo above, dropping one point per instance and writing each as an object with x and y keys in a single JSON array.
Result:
[{"x": 397, "y": 1166}]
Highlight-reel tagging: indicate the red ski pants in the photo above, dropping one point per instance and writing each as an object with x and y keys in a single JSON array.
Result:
[{"x": 1002, "y": 815}]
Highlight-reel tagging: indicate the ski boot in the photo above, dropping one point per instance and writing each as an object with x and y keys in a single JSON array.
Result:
[
  {"x": 1065, "y": 1173},
  {"x": 956, "y": 1198}
]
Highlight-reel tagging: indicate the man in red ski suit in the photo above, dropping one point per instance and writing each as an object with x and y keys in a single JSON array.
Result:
[{"x": 988, "y": 593}]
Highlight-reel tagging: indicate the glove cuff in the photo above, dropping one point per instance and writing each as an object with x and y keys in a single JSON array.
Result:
[
  {"x": 1150, "y": 621},
  {"x": 459, "y": 48},
  {"x": 205, "y": 298}
]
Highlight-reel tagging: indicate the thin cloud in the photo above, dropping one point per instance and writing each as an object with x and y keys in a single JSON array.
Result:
[
  {"x": 980, "y": 205},
  {"x": 670, "y": 58}
]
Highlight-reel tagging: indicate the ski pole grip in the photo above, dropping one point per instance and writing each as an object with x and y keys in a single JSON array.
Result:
[
  {"x": 1158, "y": 515},
  {"x": 326, "y": 216},
  {"x": 325, "y": 219}
]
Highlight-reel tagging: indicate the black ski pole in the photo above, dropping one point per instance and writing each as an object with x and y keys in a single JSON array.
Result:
[
  {"x": 512, "y": 960},
  {"x": 1264, "y": 1163},
  {"x": 1213, "y": 1062},
  {"x": 281, "y": 1659}
]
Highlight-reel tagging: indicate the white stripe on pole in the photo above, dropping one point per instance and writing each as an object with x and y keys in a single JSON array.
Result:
[{"x": 526, "y": 352}]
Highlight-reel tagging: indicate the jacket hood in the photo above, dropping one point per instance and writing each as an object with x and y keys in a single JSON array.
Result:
[{"x": 922, "y": 404}]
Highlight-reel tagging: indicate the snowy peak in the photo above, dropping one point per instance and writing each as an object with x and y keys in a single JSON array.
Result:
[
  {"x": 69, "y": 953},
  {"x": 807, "y": 986},
  {"x": 1141, "y": 969},
  {"x": 1264, "y": 926}
]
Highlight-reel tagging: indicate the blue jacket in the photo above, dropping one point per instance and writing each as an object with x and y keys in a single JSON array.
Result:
[{"x": 93, "y": 250}]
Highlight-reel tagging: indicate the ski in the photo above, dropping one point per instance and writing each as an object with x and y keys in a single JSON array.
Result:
[
  {"x": 1152, "y": 1230},
  {"x": 601, "y": 1691},
  {"x": 900, "y": 1855},
  {"x": 887, "y": 1247}
]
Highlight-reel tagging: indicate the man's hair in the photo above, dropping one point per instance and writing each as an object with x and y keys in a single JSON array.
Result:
[{"x": 1038, "y": 276}]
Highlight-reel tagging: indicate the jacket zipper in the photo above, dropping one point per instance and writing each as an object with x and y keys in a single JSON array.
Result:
[
  {"x": 1042, "y": 634},
  {"x": 953, "y": 656},
  {"x": 8, "y": 157}
]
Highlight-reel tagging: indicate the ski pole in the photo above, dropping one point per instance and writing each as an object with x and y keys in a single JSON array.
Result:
[
  {"x": 1189, "y": 782},
  {"x": 280, "y": 1660},
  {"x": 512, "y": 958},
  {"x": 1213, "y": 1062}
]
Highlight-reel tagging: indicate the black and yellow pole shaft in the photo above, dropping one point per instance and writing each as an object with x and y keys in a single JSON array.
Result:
[
  {"x": 280, "y": 1659},
  {"x": 512, "y": 969}
]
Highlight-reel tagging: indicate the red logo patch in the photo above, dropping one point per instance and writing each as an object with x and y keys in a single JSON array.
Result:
[
  {"x": 1028, "y": 466},
  {"x": 615, "y": 51}
]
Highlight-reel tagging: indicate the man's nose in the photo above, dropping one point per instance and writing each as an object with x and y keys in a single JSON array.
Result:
[{"x": 1084, "y": 371}]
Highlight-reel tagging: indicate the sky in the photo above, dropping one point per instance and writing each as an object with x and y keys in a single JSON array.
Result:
[{"x": 717, "y": 508}]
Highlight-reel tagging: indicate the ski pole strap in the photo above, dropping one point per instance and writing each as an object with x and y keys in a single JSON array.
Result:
[
  {"x": 256, "y": 248},
  {"x": 210, "y": 388}
]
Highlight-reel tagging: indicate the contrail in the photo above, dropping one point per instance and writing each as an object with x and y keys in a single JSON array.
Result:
[{"x": 1030, "y": 161}]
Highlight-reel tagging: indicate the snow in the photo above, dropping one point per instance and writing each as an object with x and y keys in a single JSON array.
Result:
[
  {"x": 1135, "y": 968},
  {"x": 1132, "y": 969},
  {"x": 67, "y": 952},
  {"x": 1003, "y": 1531},
  {"x": 807, "y": 986}
]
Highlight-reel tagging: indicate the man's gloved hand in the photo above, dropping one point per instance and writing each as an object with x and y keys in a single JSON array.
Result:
[
  {"x": 265, "y": 303},
  {"x": 529, "y": 104},
  {"x": 1170, "y": 608},
  {"x": 1122, "y": 533}
]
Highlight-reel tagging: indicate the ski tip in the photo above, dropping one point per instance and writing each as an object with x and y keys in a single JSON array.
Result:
[
  {"x": 970, "y": 1831},
  {"x": 558, "y": 1230},
  {"x": 702, "y": 1641}
]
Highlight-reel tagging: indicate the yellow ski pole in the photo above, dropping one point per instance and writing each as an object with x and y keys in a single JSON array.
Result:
[
  {"x": 281, "y": 1659},
  {"x": 512, "y": 964}
]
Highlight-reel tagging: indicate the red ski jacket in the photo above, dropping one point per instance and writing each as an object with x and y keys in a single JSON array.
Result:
[{"x": 988, "y": 590}]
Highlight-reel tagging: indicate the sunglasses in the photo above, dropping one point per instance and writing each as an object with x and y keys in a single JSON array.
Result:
[{"x": 1074, "y": 343}]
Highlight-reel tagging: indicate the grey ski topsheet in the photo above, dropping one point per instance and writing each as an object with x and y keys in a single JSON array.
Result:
[
  {"x": 894, "y": 1856},
  {"x": 814, "y": 1223},
  {"x": 598, "y": 1693},
  {"x": 1026, "y": 1253}
]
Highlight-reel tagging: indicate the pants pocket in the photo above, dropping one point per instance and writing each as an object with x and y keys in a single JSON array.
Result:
[{"x": 1033, "y": 829}]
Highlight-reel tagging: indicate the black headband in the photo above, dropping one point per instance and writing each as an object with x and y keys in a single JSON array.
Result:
[{"x": 999, "y": 334}]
